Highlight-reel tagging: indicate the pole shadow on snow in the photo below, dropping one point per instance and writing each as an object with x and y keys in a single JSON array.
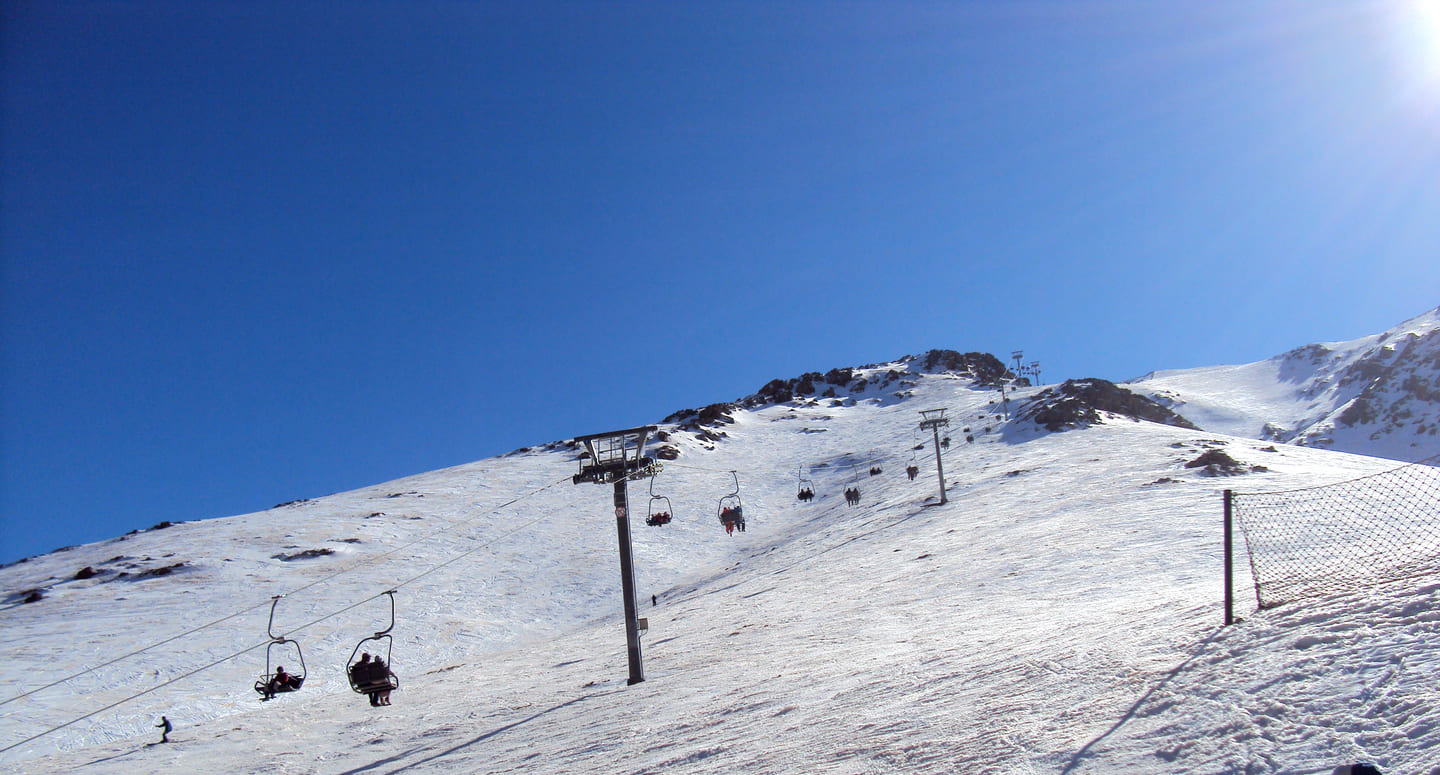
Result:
[
  {"x": 1078, "y": 758},
  {"x": 457, "y": 748}
]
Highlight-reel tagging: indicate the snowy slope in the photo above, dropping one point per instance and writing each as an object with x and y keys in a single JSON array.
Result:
[
  {"x": 1060, "y": 614},
  {"x": 1378, "y": 395}
]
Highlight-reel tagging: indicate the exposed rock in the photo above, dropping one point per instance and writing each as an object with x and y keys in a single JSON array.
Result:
[
  {"x": 1078, "y": 403},
  {"x": 155, "y": 572},
  {"x": 984, "y": 368},
  {"x": 1216, "y": 462},
  {"x": 305, "y": 555},
  {"x": 709, "y": 416}
]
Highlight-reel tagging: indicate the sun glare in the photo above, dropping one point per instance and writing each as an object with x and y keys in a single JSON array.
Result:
[{"x": 1419, "y": 35}]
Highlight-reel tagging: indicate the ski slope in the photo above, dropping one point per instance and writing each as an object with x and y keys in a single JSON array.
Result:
[{"x": 1060, "y": 614}]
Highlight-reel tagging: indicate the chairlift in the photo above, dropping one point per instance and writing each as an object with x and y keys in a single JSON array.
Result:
[
  {"x": 852, "y": 493},
  {"x": 912, "y": 468},
  {"x": 730, "y": 512},
  {"x": 376, "y": 676},
  {"x": 659, "y": 511},
  {"x": 806, "y": 488},
  {"x": 270, "y": 683}
]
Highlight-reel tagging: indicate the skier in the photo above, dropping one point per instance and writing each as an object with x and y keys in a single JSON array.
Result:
[{"x": 164, "y": 727}]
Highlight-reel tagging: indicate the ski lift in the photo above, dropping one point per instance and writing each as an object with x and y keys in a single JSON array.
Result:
[
  {"x": 659, "y": 510},
  {"x": 729, "y": 512},
  {"x": 912, "y": 468},
  {"x": 852, "y": 493},
  {"x": 806, "y": 488},
  {"x": 375, "y": 675},
  {"x": 276, "y": 681}
]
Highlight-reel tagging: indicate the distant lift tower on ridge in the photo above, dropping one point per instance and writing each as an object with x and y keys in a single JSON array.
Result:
[
  {"x": 934, "y": 420},
  {"x": 616, "y": 458}
]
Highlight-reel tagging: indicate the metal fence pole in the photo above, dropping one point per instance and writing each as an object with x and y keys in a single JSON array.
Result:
[{"x": 1229, "y": 560}]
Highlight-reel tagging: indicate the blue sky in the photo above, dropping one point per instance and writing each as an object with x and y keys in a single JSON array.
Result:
[{"x": 259, "y": 251}]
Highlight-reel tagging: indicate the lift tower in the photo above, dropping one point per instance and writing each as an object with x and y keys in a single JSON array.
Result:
[
  {"x": 934, "y": 420},
  {"x": 616, "y": 458}
]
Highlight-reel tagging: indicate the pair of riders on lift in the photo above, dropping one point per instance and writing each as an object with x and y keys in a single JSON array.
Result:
[
  {"x": 372, "y": 676},
  {"x": 806, "y": 494},
  {"x": 852, "y": 495},
  {"x": 732, "y": 517}
]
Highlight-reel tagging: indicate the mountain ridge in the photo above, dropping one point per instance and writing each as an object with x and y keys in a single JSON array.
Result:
[{"x": 1377, "y": 395}]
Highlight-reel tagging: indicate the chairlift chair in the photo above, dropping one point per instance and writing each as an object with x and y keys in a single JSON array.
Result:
[
  {"x": 266, "y": 686},
  {"x": 806, "y": 488},
  {"x": 659, "y": 511},
  {"x": 852, "y": 493},
  {"x": 730, "y": 512},
  {"x": 371, "y": 683}
]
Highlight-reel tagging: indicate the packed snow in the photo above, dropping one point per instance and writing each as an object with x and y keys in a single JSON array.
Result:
[{"x": 1061, "y": 613}]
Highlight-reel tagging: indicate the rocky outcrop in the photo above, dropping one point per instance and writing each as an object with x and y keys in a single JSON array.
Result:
[{"x": 1081, "y": 402}]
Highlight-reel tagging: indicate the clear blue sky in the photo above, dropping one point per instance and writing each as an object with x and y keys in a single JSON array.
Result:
[{"x": 258, "y": 251}]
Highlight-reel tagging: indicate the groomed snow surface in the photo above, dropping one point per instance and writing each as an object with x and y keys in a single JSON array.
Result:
[{"x": 1062, "y": 613}]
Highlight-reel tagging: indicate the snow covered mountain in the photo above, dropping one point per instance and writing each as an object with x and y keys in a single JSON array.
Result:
[
  {"x": 1061, "y": 613},
  {"x": 1378, "y": 395}
]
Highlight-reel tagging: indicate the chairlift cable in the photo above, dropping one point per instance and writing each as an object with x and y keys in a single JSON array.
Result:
[
  {"x": 358, "y": 566},
  {"x": 268, "y": 641},
  {"x": 137, "y": 695}
]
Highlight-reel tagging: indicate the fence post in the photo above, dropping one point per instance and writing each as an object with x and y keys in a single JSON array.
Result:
[{"x": 1229, "y": 561}]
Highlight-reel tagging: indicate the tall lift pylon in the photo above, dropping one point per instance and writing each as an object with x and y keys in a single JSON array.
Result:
[
  {"x": 616, "y": 458},
  {"x": 934, "y": 420}
]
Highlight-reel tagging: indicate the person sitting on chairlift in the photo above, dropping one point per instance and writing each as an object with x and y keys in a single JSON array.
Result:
[
  {"x": 360, "y": 676},
  {"x": 282, "y": 682},
  {"x": 380, "y": 676}
]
